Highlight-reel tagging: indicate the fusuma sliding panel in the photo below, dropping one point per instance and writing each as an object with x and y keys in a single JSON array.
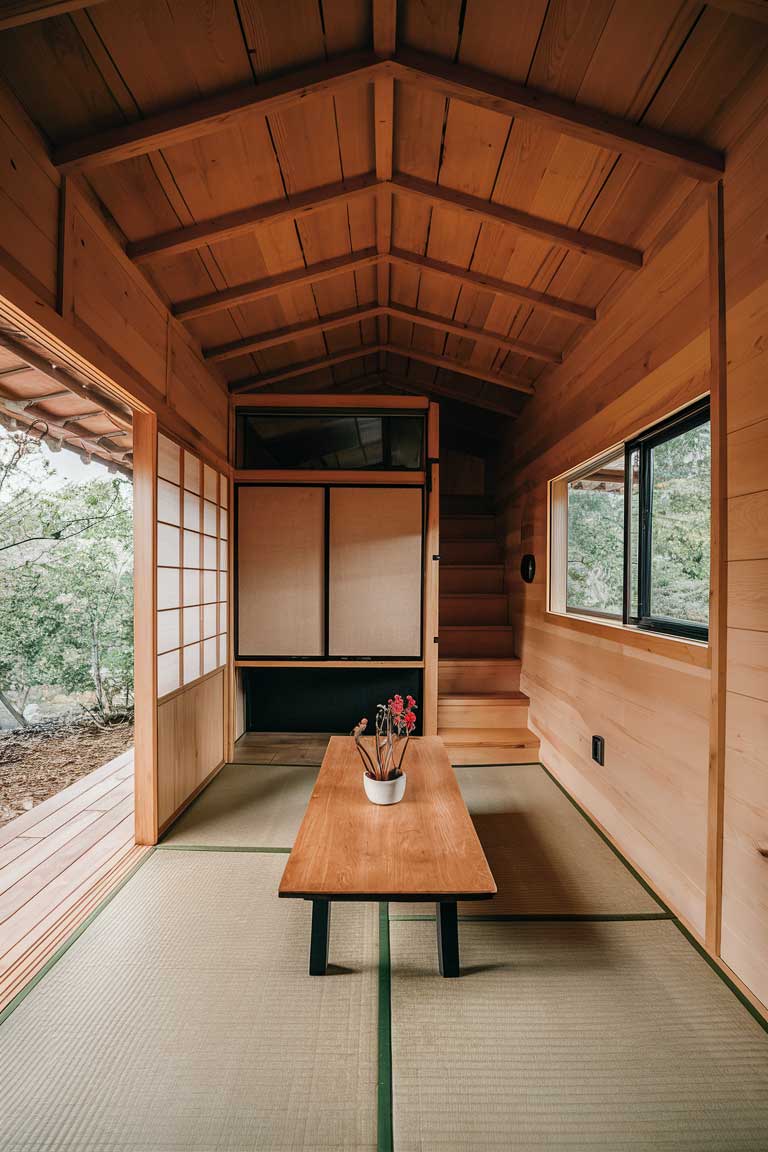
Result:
[
  {"x": 376, "y": 572},
  {"x": 281, "y": 571}
]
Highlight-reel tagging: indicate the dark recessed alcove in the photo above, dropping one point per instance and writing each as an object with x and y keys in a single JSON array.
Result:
[{"x": 322, "y": 699}]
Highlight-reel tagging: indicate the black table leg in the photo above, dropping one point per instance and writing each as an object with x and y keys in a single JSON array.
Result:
[
  {"x": 448, "y": 938},
  {"x": 318, "y": 945}
]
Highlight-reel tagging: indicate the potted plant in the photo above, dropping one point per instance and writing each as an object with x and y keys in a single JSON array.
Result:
[{"x": 383, "y": 777}]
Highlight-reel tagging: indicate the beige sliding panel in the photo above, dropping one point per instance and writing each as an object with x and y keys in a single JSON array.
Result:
[
  {"x": 280, "y": 571},
  {"x": 375, "y": 572}
]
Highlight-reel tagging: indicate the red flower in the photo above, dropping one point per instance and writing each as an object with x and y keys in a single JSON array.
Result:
[{"x": 410, "y": 720}]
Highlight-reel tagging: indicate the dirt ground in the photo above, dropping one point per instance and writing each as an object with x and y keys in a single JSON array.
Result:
[{"x": 38, "y": 762}]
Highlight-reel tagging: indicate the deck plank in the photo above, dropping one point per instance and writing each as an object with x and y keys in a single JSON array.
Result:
[{"x": 57, "y": 862}]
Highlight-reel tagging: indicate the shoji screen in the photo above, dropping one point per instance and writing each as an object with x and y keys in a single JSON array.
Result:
[
  {"x": 191, "y": 568},
  {"x": 281, "y": 570},
  {"x": 375, "y": 572}
]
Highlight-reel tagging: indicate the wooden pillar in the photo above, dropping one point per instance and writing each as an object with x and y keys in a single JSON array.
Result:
[
  {"x": 144, "y": 625},
  {"x": 719, "y": 566},
  {"x": 432, "y": 573}
]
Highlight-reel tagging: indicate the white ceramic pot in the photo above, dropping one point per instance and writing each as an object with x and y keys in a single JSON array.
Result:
[{"x": 384, "y": 791}]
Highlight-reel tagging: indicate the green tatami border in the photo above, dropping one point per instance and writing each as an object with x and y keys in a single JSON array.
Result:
[
  {"x": 384, "y": 1126},
  {"x": 70, "y": 940},
  {"x": 545, "y": 917},
  {"x": 216, "y": 848}
]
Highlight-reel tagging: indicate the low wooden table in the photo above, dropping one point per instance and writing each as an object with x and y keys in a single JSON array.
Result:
[{"x": 423, "y": 849}]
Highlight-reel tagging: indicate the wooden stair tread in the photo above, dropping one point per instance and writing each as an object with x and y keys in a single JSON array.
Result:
[
  {"x": 476, "y": 628},
  {"x": 473, "y": 596},
  {"x": 494, "y": 737},
  {"x": 480, "y": 697},
  {"x": 470, "y": 567},
  {"x": 482, "y": 661}
]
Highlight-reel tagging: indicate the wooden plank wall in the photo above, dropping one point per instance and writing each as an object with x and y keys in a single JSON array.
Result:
[
  {"x": 650, "y": 697},
  {"x": 63, "y": 268}
]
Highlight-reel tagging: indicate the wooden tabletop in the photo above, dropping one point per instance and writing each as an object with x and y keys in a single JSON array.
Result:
[{"x": 424, "y": 848}]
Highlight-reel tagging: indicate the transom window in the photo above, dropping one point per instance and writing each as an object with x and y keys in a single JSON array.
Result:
[{"x": 630, "y": 532}]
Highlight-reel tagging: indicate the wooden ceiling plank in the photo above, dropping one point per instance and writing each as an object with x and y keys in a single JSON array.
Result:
[
  {"x": 460, "y": 368},
  {"x": 293, "y": 370},
  {"x": 561, "y": 234},
  {"x": 543, "y": 300},
  {"x": 234, "y": 224},
  {"x": 291, "y": 332},
  {"x": 496, "y": 94},
  {"x": 16, "y": 13},
  {"x": 269, "y": 285},
  {"x": 213, "y": 113},
  {"x": 469, "y": 332},
  {"x": 750, "y": 9}
]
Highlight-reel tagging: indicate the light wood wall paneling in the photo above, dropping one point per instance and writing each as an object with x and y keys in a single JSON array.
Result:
[
  {"x": 190, "y": 736},
  {"x": 280, "y": 570},
  {"x": 718, "y": 621},
  {"x": 375, "y": 572},
  {"x": 144, "y": 627}
]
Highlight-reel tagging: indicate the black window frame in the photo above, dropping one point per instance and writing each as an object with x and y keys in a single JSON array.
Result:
[{"x": 691, "y": 417}]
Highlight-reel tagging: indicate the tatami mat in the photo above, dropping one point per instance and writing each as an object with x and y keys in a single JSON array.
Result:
[
  {"x": 544, "y": 856},
  {"x": 247, "y": 805},
  {"x": 562, "y": 1036},
  {"x": 180, "y": 1024}
]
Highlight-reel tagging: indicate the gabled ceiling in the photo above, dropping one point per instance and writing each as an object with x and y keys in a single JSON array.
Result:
[{"x": 443, "y": 191}]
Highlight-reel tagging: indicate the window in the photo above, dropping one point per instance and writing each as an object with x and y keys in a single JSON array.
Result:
[
  {"x": 321, "y": 440},
  {"x": 630, "y": 531}
]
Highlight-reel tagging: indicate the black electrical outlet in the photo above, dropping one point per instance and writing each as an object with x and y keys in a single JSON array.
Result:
[{"x": 598, "y": 749}]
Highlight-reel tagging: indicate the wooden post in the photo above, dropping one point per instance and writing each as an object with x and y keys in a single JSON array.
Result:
[
  {"x": 145, "y": 625},
  {"x": 718, "y": 567},
  {"x": 432, "y": 573}
]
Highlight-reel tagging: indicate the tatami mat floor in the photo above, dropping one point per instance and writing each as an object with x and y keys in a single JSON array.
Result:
[{"x": 183, "y": 1018}]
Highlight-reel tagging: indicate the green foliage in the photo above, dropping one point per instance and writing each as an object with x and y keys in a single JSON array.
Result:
[
  {"x": 680, "y": 534},
  {"x": 66, "y": 584}
]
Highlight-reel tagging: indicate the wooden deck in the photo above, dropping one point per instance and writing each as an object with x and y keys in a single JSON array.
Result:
[{"x": 57, "y": 862}]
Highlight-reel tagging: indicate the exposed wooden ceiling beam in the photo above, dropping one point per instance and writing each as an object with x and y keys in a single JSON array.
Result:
[
  {"x": 444, "y": 390},
  {"x": 470, "y": 85},
  {"x": 542, "y": 300},
  {"x": 212, "y": 113},
  {"x": 238, "y": 223},
  {"x": 291, "y": 332},
  {"x": 469, "y": 332},
  {"x": 14, "y": 13},
  {"x": 291, "y": 371},
  {"x": 233, "y": 224},
  {"x": 213, "y": 302},
  {"x": 269, "y": 285},
  {"x": 485, "y": 210},
  {"x": 462, "y": 369},
  {"x": 452, "y": 81}
]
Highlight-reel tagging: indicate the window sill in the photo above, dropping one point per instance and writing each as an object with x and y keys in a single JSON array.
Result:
[{"x": 693, "y": 652}]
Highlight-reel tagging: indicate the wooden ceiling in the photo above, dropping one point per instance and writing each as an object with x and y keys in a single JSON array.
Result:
[
  {"x": 438, "y": 193},
  {"x": 58, "y": 405}
]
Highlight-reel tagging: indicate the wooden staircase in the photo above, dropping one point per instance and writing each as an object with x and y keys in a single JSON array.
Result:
[{"x": 482, "y": 715}]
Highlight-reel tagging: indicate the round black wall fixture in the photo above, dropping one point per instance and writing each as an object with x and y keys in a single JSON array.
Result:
[{"x": 528, "y": 567}]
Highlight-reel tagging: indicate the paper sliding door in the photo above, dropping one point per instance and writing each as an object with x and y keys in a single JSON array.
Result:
[
  {"x": 281, "y": 570},
  {"x": 375, "y": 572}
]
